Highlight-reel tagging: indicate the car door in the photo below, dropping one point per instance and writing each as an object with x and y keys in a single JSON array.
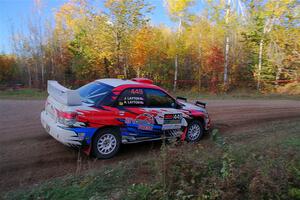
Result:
[
  {"x": 138, "y": 123},
  {"x": 161, "y": 102}
]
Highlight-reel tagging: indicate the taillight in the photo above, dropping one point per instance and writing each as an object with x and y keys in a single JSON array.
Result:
[{"x": 67, "y": 118}]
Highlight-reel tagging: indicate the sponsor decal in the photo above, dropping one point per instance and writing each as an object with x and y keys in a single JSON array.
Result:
[
  {"x": 144, "y": 121},
  {"x": 137, "y": 91},
  {"x": 172, "y": 118},
  {"x": 133, "y": 101}
]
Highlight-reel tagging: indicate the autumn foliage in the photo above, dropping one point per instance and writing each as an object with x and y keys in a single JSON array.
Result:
[
  {"x": 256, "y": 42},
  {"x": 8, "y": 69},
  {"x": 214, "y": 63}
]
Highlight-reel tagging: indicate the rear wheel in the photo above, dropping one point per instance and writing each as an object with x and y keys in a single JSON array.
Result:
[
  {"x": 194, "y": 131},
  {"x": 106, "y": 143}
]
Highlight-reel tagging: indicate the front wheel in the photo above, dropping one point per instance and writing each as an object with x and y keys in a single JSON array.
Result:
[
  {"x": 106, "y": 143},
  {"x": 194, "y": 131}
]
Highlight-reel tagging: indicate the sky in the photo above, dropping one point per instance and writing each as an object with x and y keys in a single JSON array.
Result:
[{"x": 14, "y": 14}]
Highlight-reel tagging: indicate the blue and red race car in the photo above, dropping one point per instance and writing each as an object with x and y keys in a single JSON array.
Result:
[{"x": 102, "y": 115}]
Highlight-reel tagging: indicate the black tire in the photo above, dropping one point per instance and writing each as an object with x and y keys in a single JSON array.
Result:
[
  {"x": 193, "y": 127},
  {"x": 110, "y": 144}
]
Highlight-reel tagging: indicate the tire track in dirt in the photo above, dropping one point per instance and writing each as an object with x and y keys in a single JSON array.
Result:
[
  {"x": 29, "y": 155},
  {"x": 230, "y": 115}
]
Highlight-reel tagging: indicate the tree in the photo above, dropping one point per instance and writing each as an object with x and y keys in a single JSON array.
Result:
[
  {"x": 126, "y": 17},
  {"x": 86, "y": 43},
  {"x": 29, "y": 47},
  {"x": 178, "y": 12},
  {"x": 72, "y": 20},
  {"x": 215, "y": 59},
  {"x": 8, "y": 68},
  {"x": 141, "y": 48},
  {"x": 264, "y": 17},
  {"x": 227, "y": 13},
  {"x": 230, "y": 7},
  {"x": 160, "y": 60}
]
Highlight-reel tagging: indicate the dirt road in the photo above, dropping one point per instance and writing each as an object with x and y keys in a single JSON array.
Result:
[{"x": 28, "y": 155}]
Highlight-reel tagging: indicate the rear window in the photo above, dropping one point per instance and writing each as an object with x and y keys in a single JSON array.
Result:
[
  {"x": 132, "y": 97},
  {"x": 94, "y": 92}
]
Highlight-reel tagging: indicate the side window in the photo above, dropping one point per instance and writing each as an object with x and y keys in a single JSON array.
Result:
[
  {"x": 132, "y": 97},
  {"x": 157, "y": 98}
]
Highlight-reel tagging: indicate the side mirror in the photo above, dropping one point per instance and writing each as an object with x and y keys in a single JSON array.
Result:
[{"x": 176, "y": 105}]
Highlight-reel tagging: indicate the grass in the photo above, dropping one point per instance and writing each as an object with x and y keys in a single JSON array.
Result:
[
  {"x": 265, "y": 164},
  {"x": 290, "y": 88},
  {"x": 104, "y": 184},
  {"x": 23, "y": 94}
]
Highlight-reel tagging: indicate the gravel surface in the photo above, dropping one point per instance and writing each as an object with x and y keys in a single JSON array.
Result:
[{"x": 29, "y": 155}]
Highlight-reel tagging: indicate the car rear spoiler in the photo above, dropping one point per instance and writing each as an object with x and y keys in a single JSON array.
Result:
[{"x": 62, "y": 94}]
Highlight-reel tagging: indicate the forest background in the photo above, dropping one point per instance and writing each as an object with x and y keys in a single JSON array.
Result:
[{"x": 228, "y": 45}]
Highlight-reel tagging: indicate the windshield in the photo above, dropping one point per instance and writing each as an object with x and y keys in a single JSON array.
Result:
[{"x": 94, "y": 92}]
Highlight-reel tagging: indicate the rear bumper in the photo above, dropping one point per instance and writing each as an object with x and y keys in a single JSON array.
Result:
[{"x": 61, "y": 134}]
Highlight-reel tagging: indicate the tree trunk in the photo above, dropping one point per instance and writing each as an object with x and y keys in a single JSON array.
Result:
[
  {"x": 226, "y": 61},
  {"x": 199, "y": 76},
  {"x": 43, "y": 73},
  {"x": 119, "y": 66},
  {"x": 260, "y": 64},
  {"x": 176, "y": 72},
  {"x": 52, "y": 66},
  {"x": 138, "y": 72},
  {"x": 125, "y": 67},
  {"x": 226, "y": 44},
  {"x": 200, "y": 63},
  {"x": 176, "y": 58},
  {"x": 29, "y": 76},
  {"x": 106, "y": 66},
  {"x": 36, "y": 78},
  {"x": 278, "y": 73}
]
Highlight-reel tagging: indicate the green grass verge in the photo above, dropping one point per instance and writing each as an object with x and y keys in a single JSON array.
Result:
[
  {"x": 23, "y": 94},
  {"x": 262, "y": 163},
  {"x": 109, "y": 182}
]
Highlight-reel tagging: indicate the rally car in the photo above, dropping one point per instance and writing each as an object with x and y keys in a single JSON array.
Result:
[{"x": 102, "y": 115}]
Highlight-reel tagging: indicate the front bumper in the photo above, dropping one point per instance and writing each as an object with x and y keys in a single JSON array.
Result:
[
  {"x": 57, "y": 131},
  {"x": 207, "y": 124}
]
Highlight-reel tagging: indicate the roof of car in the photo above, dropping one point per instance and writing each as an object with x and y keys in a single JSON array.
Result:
[
  {"x": 116, "y": 82},
  {"x": 121, "y": 84}
]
